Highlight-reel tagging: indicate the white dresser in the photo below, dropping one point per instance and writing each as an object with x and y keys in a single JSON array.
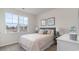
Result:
[{"x": 64, "y": 43}]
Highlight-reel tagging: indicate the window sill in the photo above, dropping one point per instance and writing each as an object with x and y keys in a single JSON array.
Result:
[{"x": 16, "y": 32}]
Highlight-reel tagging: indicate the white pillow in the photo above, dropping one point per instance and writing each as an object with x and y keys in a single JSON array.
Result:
[{"x": 51, "y": 32}]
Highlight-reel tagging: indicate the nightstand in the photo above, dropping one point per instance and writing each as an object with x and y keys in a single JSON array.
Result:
[{"x": 64, "y": 43}]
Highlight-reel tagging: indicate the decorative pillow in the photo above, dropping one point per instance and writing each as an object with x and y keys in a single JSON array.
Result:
[
  {"x": 50, "y": 32},
  {"x": 41, "y": 31},
  {"x": 45, "y": 32}
]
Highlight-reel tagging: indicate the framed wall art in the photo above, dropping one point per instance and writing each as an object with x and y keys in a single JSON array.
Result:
[
  {"x": 51, "y": 21},
  {"x": 43, "y": 22},
  {"x": 48, "y": 22}
]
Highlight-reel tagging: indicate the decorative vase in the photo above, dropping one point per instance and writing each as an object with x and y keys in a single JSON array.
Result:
[{"x": 73, "y": 36}]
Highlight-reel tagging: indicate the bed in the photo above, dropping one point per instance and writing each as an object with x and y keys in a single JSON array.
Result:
[{"x": 36, "y": 41}]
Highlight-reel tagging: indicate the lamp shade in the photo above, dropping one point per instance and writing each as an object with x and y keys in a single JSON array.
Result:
[{"x": 36, "y": 28}]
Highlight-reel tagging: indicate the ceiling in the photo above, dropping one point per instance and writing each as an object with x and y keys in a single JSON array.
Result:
[{"x": 34, "y": 11}]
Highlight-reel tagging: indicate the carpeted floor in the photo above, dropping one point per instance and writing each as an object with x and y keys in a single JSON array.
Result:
[{"x": 17, "y": 47}]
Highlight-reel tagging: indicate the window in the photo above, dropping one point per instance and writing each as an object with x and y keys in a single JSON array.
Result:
[
  {"x": 23, "y": 22},
  {"x": 15, "y": 23},
  {"x": 11, "y": 22}
]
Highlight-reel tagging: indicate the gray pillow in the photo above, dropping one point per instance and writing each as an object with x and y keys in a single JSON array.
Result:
[{"x": 45, "y": 32}]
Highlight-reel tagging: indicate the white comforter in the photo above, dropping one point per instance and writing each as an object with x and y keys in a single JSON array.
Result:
[{"x": 35, "y": 42}]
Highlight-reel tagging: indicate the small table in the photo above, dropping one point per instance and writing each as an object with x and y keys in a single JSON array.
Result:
[{"x": 64, "y": 43}]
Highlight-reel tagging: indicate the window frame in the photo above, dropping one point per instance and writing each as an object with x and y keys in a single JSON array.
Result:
[{"x": 18, "y": 24}]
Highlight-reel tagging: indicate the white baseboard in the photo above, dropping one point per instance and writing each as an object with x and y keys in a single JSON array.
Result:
[{"x": 8, "y": 44}]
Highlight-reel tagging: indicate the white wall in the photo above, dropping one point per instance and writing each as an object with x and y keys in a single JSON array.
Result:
[
  {"x": 8, "y": 38},
  {"x": 64, "y": 17}
]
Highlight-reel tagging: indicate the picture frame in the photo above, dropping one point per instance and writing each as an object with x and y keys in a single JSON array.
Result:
[
  {"x": 51, "y": 21},
  {"x": 43, "y": 22},
  {"x": 48, "y": 22}
]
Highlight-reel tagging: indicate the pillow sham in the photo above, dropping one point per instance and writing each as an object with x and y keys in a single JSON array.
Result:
[{"x": 51, "y": 32}]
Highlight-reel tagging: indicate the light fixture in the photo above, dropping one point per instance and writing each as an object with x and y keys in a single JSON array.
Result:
[{"x": 23, "y": 8}]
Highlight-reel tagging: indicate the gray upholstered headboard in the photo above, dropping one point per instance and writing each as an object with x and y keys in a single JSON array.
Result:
[{"x": 54, "y": 28}]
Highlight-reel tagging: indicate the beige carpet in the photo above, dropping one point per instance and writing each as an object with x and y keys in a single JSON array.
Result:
[{"x": 17, "y": 47}]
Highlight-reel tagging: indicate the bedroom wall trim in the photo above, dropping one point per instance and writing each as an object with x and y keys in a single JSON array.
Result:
[{"x": 9, "y": 44}]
